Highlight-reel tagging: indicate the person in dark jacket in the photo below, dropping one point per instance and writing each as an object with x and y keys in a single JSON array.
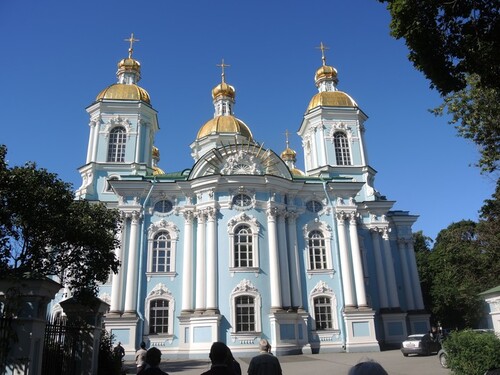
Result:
[
  {"x": 153, "y": 359},
  {"x": 219, "y": 358},
  {"x": 264, "y": 363}
]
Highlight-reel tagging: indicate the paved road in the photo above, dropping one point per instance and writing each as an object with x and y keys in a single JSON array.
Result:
[{"x": 328, "y": 363}]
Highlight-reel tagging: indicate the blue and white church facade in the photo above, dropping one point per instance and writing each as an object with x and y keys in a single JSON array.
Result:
[{"x": 242, "y": 245}]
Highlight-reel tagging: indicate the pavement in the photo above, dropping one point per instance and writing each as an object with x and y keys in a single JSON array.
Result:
[{"x": 323, "y": 363}]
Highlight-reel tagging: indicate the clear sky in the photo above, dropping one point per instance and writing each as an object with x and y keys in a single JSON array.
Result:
[{"x": 57, "y": 55}]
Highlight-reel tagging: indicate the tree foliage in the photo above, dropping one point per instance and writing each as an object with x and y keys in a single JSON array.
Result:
[
  {"x": 455, "y": 44},
  {"x": 457, "y": 269},
  {"x": 449, "y": 40},
  {"x": 44, "y": 231},
  {"x": 422, "y": 246}
]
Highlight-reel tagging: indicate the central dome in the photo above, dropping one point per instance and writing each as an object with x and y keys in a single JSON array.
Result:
[
  {"x": 224, "y": 124},
  {"x": 120, "y": 91}
]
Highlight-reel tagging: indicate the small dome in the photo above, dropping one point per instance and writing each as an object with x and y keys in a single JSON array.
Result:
[
  {"x": 224, "y": 124},
  {"x": 120, "y": 91},
  {"x": 331, "y": 99},
  {"x": 223, "y": 89},
  {"x": 326, "y": 72},
  {"x": 289, "y": 154},
  {"x": 156, "y": 153},
  {"x": 157, "y": 171},
  {"x": 129, "y": 64},
  {"x": 297, "y": 172}
]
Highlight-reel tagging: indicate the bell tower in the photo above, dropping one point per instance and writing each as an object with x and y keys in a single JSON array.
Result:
[{"x": 122, "y": 125}]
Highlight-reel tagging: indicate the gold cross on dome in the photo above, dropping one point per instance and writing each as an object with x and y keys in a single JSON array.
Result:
[
  {"x": 323, "y": 48},
  {"x": 131, "y": 48},
  {"x": 222, "y": 66}
]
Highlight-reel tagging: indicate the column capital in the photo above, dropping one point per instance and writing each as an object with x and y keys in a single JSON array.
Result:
[
  {"x": 272, "y": 213},
  {"x": 341, "y": 216},
  {"x": 211, "y": 213},
  {"x": 188, "y": 215},
  {"x": 201, "y": 216}
]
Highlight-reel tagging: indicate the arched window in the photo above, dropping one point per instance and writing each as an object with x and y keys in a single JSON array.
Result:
[
  {"x": 323, "y": 313},
  {"x": 158, "y": 316},
  {"x": 243, "y": 243},
  {"x": 162, "y": 253},
  {"x": 341, "y": 144},
  {"x": 317, "y": 251},
  {"x": 246, "y": 305},
  {"x": 116, "y": 147},
  {"x": 243, "y": 251},
  {"x": 160, "y": 307},
  {"x": 323, "y": 303},
  {"x": 245, "y": 313}
]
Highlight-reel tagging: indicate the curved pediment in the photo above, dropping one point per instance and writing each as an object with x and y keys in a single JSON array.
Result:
[{"x": 240, "y": 159}]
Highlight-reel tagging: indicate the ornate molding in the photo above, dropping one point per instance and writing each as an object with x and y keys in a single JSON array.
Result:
[
  {"x": 160, "y": 290},
  {"x": 321, "y": 288},
  {"x": 242, "y": 218},
  {"x": 245, "y": 286},
  {"x": 118, "y": 121},
  {"x": 163, "y": 225}
]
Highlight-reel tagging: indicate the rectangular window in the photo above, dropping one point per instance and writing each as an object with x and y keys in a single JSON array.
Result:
[
  {"x": 323, "y": 313},
  {"x": 158, "y": 317},
  {"x": 245, "y": 314}
]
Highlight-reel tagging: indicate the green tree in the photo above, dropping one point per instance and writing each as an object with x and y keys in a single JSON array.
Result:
[
  {"x": 455, "y": 44},
  {"x": 422, "y": 245},
  {"x": 460, "y": 271},
  {"x": 46, "y": 232}
]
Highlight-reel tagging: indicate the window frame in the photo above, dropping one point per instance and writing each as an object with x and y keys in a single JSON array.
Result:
[
  {"x": 117, "y": 145},
  {"x": 160, "y": 292},
  {"x": 252, "y": 224},
  {"x": 246, "y": 288},
  {"x": 326, "y": 231},
  {"x": 323, "y": 290},
  {"x": 156, "y": 229},
  {"x": 342, "y": 148}
]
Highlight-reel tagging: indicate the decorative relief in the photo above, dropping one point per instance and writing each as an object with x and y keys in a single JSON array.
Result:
[
  {"x": 242, "y": 163},
  {"x": 188, "y": 215},
  {"x": 272, "y": 212},
  {"x": 242, "y": 218},
  {"x": 317, "y": 225},
  {"x": 321, "y": 287},
  {"x": 163, "y": 225},
  {"x": 160, "y": 290},
  {"x": 245, "y": 286},
  {"x": 118, "y": 121}
]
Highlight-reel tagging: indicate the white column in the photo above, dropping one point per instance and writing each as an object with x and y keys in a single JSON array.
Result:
[
  {"x": 212, "y": 271},
  {"x": 345, "y": 262},
  {"x": 379, "y": 266},
  {"x": 406, "y": 275},
  {"x": 117, "y": 280},
  {"x": 419, "y": 301},
  {"x": 138, "y": 142},
  {"x": 295, "y": 283},
  {"x": 283, "y": 262},
  {"x": 201, "y": 275},
  {"x": 187, "y": 263},
  {"x": 132, "y": 266},
  {"x": 357, "y": 263},
  {"x": 274, "y": 271},
  {"x": 322, "y": 144},
  {"x": 90, "y": 147},
  {"x": 389, "y": 271},
  {"x": 364, "y": 159},
  {"x": 95, "y": 141}
]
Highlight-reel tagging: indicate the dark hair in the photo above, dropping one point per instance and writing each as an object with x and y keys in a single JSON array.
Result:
[
  {"x": 143, "y": 345},
  {"x": 367, "y": 368},
  {"x": 153, "y": 357},
  {"x": 218, "y": 352}
]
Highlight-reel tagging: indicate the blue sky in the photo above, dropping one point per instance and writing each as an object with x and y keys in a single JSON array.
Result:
[{"x": 56, "y": 56}]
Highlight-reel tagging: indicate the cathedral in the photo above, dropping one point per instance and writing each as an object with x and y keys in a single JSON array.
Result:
[{"x": 243, "y": 245}]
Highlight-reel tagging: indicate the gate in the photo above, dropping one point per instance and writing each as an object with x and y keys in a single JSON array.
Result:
[{"x": 62, "y": 349}]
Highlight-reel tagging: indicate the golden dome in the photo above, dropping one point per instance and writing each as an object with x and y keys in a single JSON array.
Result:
[
  {"x": 121, "y": 91},
  {"x": 129, "y": 64},
  {"x": 331, "y": 99},
  {"x": 157, "y": 171},
  {"x": 156, "y": 153},
  {"x": 326, "y": 72},
  {"x": 297, "y": 172},
  {"x": 223, "y": 89},
  {"x": 289, "y": 154},
  {"x": 224, "y": 124}
]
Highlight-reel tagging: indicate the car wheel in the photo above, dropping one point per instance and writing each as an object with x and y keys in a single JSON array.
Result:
[{"x": 443, "y": 360}]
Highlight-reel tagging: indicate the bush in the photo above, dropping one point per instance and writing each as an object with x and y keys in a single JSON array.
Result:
[
  {"x": 472, "y": 352},
  {"x": 109, "y": 364}
]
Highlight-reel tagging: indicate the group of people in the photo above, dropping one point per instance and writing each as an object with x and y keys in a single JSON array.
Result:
[{"x": 223, "y": 362}]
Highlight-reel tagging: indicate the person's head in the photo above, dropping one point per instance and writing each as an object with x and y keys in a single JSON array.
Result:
[
  {"x": 143, "y": 345},
  {"x": 367, "y": 368},
  {"x": 218, "y": 353},
  {"x": 153, "y": 357},
  {"x": 264, "y": 345}
]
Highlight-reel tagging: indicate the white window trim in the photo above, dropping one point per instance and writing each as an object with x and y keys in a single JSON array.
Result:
[
  {"x": 323, "y": 290},
  {"x": 327, "y": 233},
  {"x": 173, "y": 231},
  {"x": 254, "y": 227},
  {"x": 160, "y": 291},
  {"x": 245, "y": 288}
]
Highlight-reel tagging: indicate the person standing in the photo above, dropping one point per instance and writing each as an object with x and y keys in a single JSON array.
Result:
[
  {"x": 264, "y": 363},
  {"x": 140, "y": 357},
  {"x": 219, "y": 357},
  {"x": 153, "y": 359}
]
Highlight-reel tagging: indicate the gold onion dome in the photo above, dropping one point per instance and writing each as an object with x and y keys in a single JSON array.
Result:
[
  {"x": 289, "y": 154},
  {"x": 129, "y": 64},
  {"x": 326, "y": 72},
  {"x": 297, "y": 172},
  {"x": 224, "y": 124},
  {"x": 156, "y": 158},
  {"x": 223, "y": 89}
]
